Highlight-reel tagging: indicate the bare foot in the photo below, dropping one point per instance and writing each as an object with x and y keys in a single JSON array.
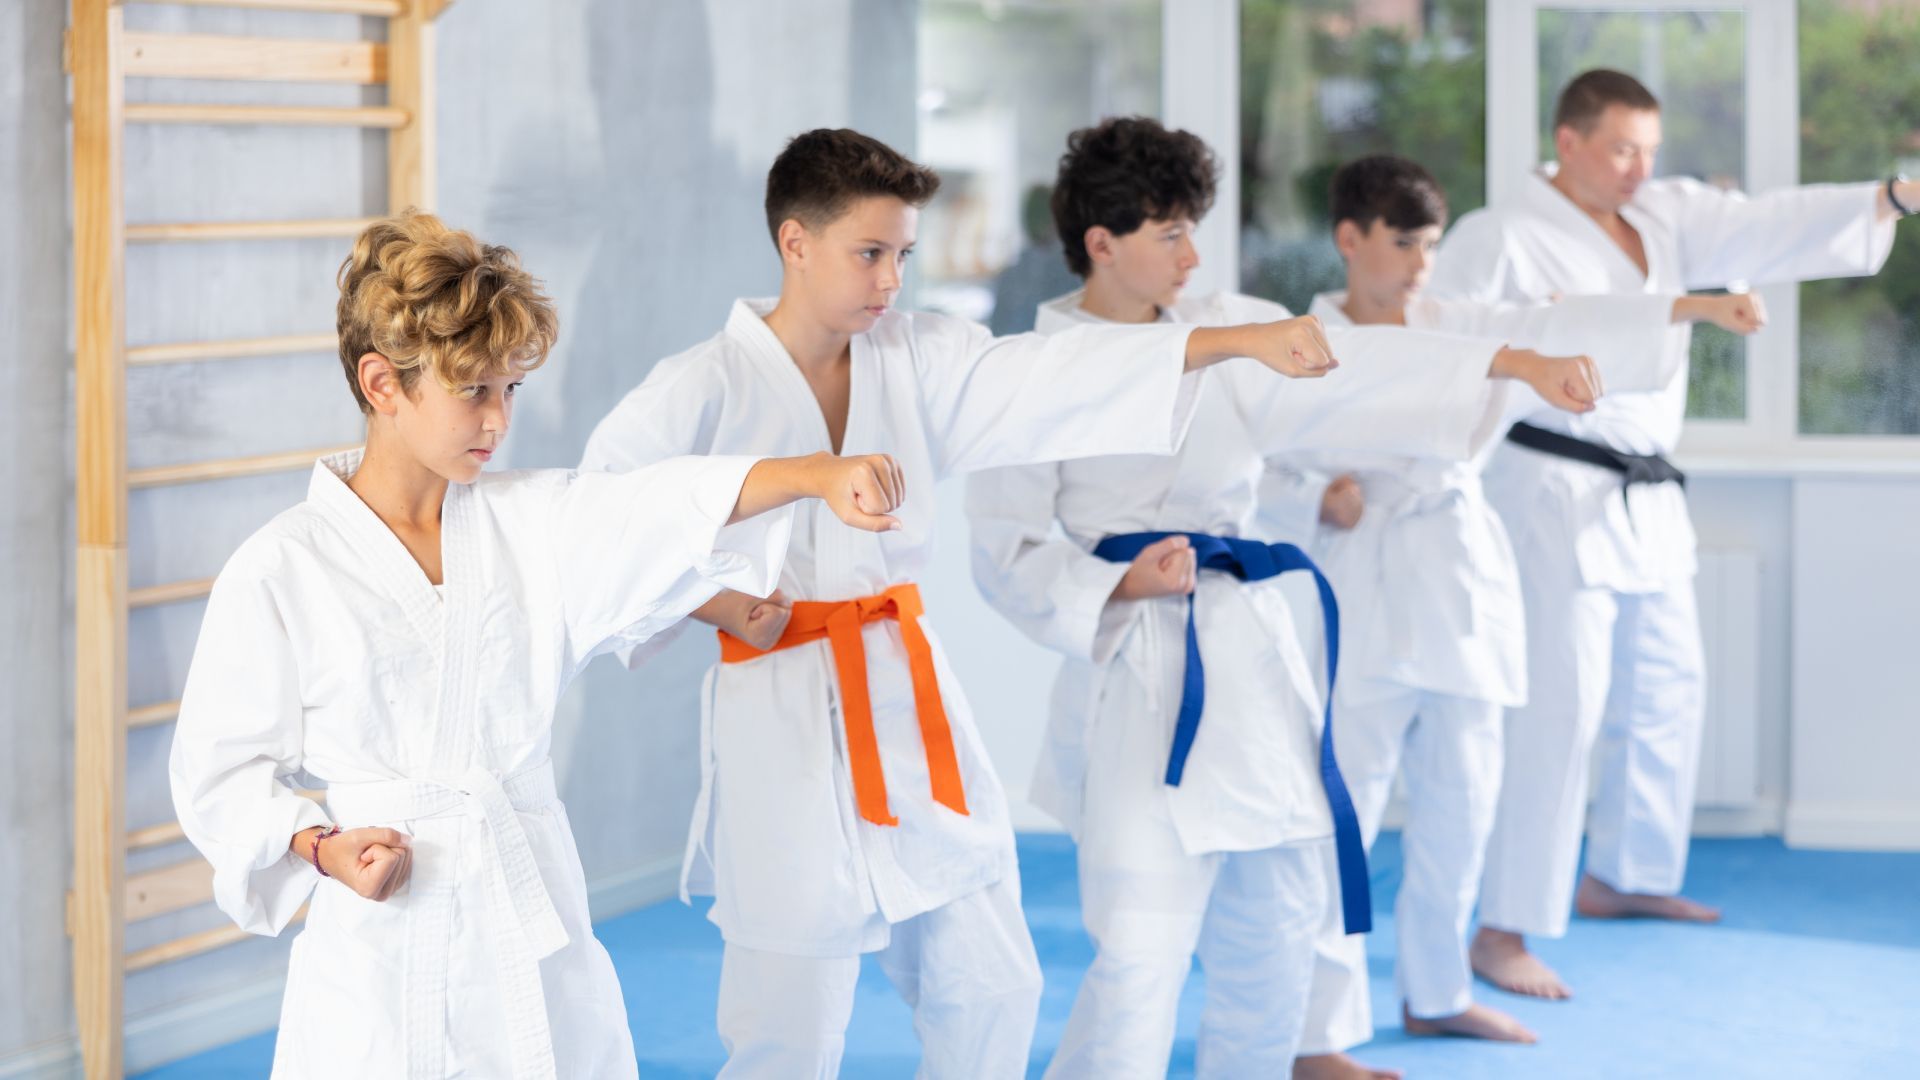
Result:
[
  {"x": 1478, "y": 1022},
  {"x": 1501, "y": 958},
  {"x": 1338, "y": 1067},
  {"x": 1599, "y": 900}
]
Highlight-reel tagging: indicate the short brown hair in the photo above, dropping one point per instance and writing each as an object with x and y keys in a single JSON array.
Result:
[
  {"x": 1124, "y": 172},
  {"x": 431, "y": 298},
  {"x": 1589, "y": 94},
  {"x": 821, "y": 172},
  {"x": 1383, "y": 187}
]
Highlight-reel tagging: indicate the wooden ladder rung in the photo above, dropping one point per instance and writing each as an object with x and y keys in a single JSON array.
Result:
[
  {"x": 169, "y": 832},
  {"x": 172, "y": 592},
  {"x": 162, "y": 712},
  {"x": 163, "y": 890},
  {"x": 247, "y": 230},
  {"x": 226, "y": 56},
  {"x": 385, "y": 8},
  {"x": 193, "y": 945},
  {"x": 154, "y": 836},
  {"x": 229, "y": 468},
  {"x": 231, "y": 348},
  {"x": 169, "y": 889},
  {"x": 369, "y": 116}
]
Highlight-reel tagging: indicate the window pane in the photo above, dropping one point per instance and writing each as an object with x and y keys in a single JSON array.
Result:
[
  {"x": 1695, "y": 62},
  {"x": 1001, "y": 85},
  {"x": 1860, "y": 120},
  {"x": 1325, "y": 81}
]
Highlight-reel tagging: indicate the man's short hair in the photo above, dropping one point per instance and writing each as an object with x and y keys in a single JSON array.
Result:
[{"x": 1591, "y": 92}]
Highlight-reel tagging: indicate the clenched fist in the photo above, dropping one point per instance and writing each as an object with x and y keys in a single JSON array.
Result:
[
  {"x": 1296, "y": 347},
  {"x": 1565, "y": 382},
  {"x": 1166, "y": 567},
  {"x": 1293, "y": 347},
  {"x": 863, "y": 490},
  {"x": 372, "y": 862},
  {"x": 1737, "y": 313},
  {"x": 1343, "y": 503}
]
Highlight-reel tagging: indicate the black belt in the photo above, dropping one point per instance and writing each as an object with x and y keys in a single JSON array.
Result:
[{"x": 1633, "y": 468}]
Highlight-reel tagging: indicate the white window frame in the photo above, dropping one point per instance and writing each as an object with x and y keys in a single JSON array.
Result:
[
  {"x": 1200, "y": 72},
  {"x": 1200, "y": 91},
  {"x": 1770, "y": 434}
]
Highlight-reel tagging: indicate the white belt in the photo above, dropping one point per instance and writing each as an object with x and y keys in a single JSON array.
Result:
[{"x": 522, "y": 922}]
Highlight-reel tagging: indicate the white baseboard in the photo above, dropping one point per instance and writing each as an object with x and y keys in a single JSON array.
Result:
[
  {"x": 199, "y": 1024},
  {"x": 166, "y": 1034},
  {"x": 1854, "y": 826},
  {"x": 46, "y": 1061},
  {"x": 1765, "y": 817}
]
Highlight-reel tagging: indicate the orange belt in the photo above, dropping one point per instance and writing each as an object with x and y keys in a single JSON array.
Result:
[{"x": 839, "y": 621}]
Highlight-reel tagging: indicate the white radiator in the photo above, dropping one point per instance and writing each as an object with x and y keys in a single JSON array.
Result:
[{"x": 1729, "y": 593}]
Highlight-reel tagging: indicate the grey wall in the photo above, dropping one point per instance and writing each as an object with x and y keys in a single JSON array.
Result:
[
  {"x": 619, "y": 146},
  {"x": 35, "y": 533}
]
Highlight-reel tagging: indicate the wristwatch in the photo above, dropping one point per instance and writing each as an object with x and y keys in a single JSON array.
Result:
[{"x": 1894, "y": 182}]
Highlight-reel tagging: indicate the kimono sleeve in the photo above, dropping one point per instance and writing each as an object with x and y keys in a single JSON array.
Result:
[
  {"x": 1087, "y": 391},
  {"x": 1289, "y": 501},
  {"x": 1047, "y": 586},
  {"x": 1794, "y": 234},
  {"x": 1397, "y": 391},
  {"x": 235, "y": 746},
  {"x": 1627, "y": 336},
  {"x": 636, "y": 552},
  {"x": 671, "y": 413}
]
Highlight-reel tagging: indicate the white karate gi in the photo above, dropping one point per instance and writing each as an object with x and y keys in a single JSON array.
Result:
[
  {"x": 1235, "y": 861},
  {"x": 1613, "y": 635},
  {"x": 1433, "y": 645},
  {"x": 326, "y": 652},
  {"x": 802, "y": 883}
]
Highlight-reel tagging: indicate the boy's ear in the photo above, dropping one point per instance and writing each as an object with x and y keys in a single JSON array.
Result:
[
  {"x": 793, "y": 242},
  {"x": 1346, "y": 237},
  {"x": 380, "y": 383},
  {"x": 1100, "y": 245}
]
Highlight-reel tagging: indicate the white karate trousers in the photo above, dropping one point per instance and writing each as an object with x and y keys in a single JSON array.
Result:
[
  {"x": 1629, "y": 669},
  {"x": 1450, "y": 750},
  {"x": 967, "y": 968}
]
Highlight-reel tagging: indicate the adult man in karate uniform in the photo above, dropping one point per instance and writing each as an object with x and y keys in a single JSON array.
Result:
[{"x": 1599, "y": 519}]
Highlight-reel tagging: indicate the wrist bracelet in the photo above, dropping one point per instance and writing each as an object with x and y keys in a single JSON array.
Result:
[
  {"x": 331, "y": 830},
  {"x": 1905, "y": 210}
]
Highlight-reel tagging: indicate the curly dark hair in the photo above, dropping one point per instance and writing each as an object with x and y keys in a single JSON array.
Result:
[
  {"x": 1123, "y": 172},
  {"x": 821, "y": 172},
  {"x": 1382, "y": 187}
]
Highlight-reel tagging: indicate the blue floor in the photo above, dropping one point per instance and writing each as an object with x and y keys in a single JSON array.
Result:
[{"x": 1814, "y": 974}]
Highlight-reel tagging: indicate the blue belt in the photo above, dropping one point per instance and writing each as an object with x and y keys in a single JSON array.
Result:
[{"x": 1251, "y": 560}]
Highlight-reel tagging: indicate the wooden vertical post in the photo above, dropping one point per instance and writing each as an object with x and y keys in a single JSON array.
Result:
[
  {"x": 410, "y": 78},
  {"x": 98, "y": 55},
  {"x": 100, "y": 499}
]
